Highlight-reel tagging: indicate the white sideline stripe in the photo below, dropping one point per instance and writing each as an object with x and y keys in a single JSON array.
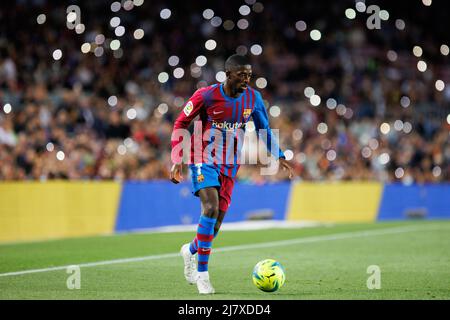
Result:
[{"x": 338, "y": 236}]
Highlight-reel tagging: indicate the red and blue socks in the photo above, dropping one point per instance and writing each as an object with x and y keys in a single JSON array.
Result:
[
  {"x": 193, "y": 247},
  {"x": 203, "y": 241}
]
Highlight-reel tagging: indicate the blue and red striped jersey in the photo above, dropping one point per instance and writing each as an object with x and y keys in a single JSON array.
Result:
[{"x": 222, "y": 122}]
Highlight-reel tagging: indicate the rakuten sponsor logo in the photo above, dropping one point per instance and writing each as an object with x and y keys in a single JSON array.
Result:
[
  {"x": 236, "y": 147},
  {"x": 228, "y": 125}
]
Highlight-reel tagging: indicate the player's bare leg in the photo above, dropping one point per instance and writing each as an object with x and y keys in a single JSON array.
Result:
[
  {"x": 219, "y": 222},
  {"x": 209, "y": 198}
]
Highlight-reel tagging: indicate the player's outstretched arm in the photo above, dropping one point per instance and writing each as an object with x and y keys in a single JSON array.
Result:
[{"x": 261, "y": 120}]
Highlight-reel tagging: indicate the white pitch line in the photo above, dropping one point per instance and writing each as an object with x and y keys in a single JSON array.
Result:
[
  {"x": 92, "y": 264},
  {"x": 338, "y": 236}
]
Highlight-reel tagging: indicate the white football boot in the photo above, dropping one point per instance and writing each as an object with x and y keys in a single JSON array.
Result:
[
  {"x": 190, "y": 266},
  {"x": 204, "y": 286}
]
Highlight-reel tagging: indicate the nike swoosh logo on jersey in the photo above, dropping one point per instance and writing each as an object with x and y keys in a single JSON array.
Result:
[{"x": 217, "y": 112}]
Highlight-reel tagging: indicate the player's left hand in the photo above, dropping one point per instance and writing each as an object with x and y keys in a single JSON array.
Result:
[
  {"x": 286, "y": 166},
  {"x": 176, "y": 173}
]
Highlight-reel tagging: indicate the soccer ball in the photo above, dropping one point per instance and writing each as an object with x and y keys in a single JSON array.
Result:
[{"x": 268, "y": 275}]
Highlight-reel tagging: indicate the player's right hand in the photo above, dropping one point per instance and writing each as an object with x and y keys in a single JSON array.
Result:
[{"x": 175, "y": 173}]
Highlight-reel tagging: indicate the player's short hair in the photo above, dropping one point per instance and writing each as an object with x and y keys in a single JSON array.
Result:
[{"x": 236, "y": 61}]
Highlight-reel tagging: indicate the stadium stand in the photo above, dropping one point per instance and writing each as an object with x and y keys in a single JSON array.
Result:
[{"x": 104, "y": 115}]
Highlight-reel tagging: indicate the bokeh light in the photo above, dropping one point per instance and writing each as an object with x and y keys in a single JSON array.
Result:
[
  {"x": 173, "y": 61},
  {"x": 384, "y": 158},
  {"x": 399, "y": 173},
  {"x": 331, "y": 155},
  {"x": 301, "y": 25},
  {"x": 210, "y": 44},
  {"x": 440, "y": 85},
  {"x": 243, "y": 24},
  {"x": 244, "y": 10},
  {"x": 7, "y": 108},
  {"x": 201, "y": 61},
  {"x": 228, "y": 25},
  {"x": 261, "y": 83},
  {"x": 407, "y": 127},
  {"x": 131, "y": 113},
  {"x": 385, "y": 128},
  {"x": 275, "y": 111},
  {"x": 115, "y": 44},
  {"x": 437, "y": 171},
  {"x": 178, "y": 73},
  {"x": 165, "y": 14},
  {"x": 258, "y": 7},
  {"x": 315, "y": 100},
  {"x": 119, "y": 31},
  {"x": 331, "y": 104},
  {"x": 60, "y": 155},
  {"x": 417, "y": 50},
  {"x": 309, "y": 92},
  {"x": 256, "y": 49},
  {"x": 112, "y": 101},
  {"x": 50, "y": 147},
  {"x": 392, "y": 55},
  {"x": 41, "y": 18},
  {"x": 384, "y": 15},
  {"x": 350, "y": 13},
  {"x": 400, "y": 24},
  {"x": 208, "y": 14},
  {"x": 57, "y": 54},
  {"x": 216, "y": 21},
  {"x": 163, "y": 77},
  {"x": 221, "y": 76},
  {"x": 80, "y": 28},
  {"x": 114, "y": 22},
  {"x": 315, "y": 35},
  {"x": 422, "y": 66},
  {"x": 322, "y": 128},
  {"x": 98, "y": 52},
  {"x": 138, "y": 34},
  {"x": 360, "y": 6},
  {"x": 405, "y": 102},
  {"x": 115, "y": 6}
]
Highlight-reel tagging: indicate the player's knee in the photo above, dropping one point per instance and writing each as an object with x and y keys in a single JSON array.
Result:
[{"x": 210, "y": 210}]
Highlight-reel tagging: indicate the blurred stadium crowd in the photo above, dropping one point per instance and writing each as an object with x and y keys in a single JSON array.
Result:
[{"x": 109, "y": 114}]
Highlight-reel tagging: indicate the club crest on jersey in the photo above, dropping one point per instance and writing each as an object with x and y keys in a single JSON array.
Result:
[
  {"x": 247, "y": 113},
  {"x": 188, "y": 108},
  {"x": 200, "y": 178}
]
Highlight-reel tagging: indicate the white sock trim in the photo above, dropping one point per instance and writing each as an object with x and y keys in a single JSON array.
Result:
[{"x": 203, "y": 275}]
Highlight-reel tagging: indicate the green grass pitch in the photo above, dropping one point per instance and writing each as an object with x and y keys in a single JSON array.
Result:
[{"x": 328, "y": 262}]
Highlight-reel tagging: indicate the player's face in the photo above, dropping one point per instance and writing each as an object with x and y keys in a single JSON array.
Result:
[{"x": 239, "y": 78}]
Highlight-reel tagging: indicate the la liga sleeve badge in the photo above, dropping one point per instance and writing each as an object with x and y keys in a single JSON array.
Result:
[{"x": 188, "y": 108}]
